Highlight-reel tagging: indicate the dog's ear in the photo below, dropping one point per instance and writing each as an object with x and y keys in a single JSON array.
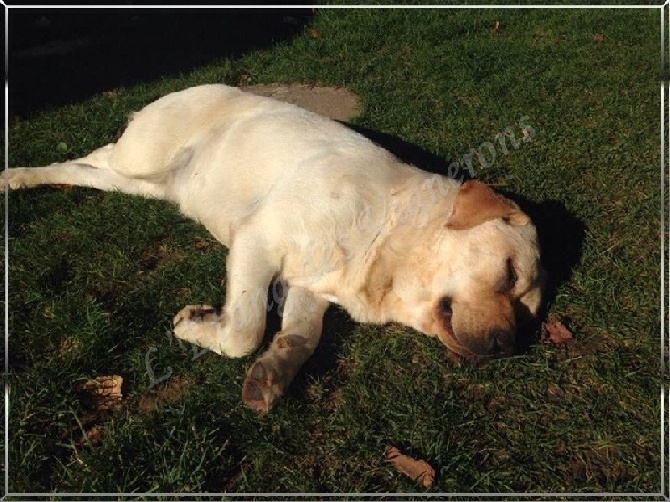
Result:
[{"x": 476, "y": 203}]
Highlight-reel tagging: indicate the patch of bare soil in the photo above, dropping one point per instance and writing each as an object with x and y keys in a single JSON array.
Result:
[
  {"x": 158, "y": 253},
  {"x": 333, "y": 102},
  {"x": 167, "y": 392}
]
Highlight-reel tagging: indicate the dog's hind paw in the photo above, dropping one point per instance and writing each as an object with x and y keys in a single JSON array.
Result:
[
  {"x": 15, "y": 178},
  {"x": 261, "y": 388}
]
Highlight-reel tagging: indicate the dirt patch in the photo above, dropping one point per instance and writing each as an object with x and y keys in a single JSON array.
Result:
[
  {"x": 156, "y": 254},
  {"x": 333, "y": 102},
  {"x": 166, "y": 393}
]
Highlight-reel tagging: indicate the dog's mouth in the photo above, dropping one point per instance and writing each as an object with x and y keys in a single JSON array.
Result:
[
  {"x": 458, "y": 352},
  {"x": 445, "y": 333}
]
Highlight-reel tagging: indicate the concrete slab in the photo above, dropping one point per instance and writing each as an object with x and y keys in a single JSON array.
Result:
[{"x": 333, "y": 102}]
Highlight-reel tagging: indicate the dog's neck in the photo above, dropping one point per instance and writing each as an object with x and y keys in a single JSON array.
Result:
[{"x": 422, "y": 205}]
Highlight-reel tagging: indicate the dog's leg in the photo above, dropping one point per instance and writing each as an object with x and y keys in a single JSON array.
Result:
[
  {"x": 91, "y": 171},
  {"x": 239, "y": 330},
  {"x": 269, "y": 377}
]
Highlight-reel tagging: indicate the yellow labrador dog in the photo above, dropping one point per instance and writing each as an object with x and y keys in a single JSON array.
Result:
[{"x": 299, "y": 197}]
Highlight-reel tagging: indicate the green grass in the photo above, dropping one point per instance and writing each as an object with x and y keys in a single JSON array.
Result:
[{"x": 95, "y": 279}]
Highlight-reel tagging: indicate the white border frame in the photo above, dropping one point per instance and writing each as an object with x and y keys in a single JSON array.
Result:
[{"x": 509, "y": 497}]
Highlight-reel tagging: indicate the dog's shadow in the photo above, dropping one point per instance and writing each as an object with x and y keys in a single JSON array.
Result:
[{"x": 561, "y": 236}]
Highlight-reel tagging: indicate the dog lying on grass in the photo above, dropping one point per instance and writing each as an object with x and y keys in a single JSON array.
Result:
[{"x": 299, "y": 197}]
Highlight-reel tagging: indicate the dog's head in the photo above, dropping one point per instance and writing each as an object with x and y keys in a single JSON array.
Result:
[{"x": 470, "y": 277}]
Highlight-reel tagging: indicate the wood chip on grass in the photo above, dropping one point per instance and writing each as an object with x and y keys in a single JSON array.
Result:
[
  {"x": 103, "y": 397},
  {"x": 419, "y": 470},
  {"x": 102, "y": 393}
]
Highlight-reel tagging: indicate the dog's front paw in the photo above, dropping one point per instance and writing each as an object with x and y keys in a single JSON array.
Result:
[
  {"x": 262, "y": 387},
  {"x": 199, "y": 324},
  {"x": 196, "y": 313}
]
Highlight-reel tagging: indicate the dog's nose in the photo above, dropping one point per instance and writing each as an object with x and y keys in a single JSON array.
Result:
[{"x": 502, "y": 342}]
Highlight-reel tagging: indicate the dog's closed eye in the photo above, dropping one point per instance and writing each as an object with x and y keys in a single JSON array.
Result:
[
  {"x": 511, "y": 277},
  {"x": 445, "y": 306}
]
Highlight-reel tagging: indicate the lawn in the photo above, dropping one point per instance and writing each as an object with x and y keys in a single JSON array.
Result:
[{"x": 95, "y": 278}]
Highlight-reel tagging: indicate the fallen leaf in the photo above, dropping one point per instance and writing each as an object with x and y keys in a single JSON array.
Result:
[
  {"x": 554, "y": 331},
  {"x": 418, "y": 470},
  {"x": 89, "y": 427},
  {"x": 314, "y": 33},
  {"x": 475, "y": 391},
  {"x": 598, "y": 37},
  {"x": 495, "y": 404},
  {"x": 103, "y": 392}
]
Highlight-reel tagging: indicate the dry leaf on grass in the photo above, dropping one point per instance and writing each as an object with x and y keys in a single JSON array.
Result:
[
  {"x": 418, "y": 470},
  {"x": 598, "y": 37},
  {"x": 554, "y": 331},
  {"x": 103, "y": 392}
]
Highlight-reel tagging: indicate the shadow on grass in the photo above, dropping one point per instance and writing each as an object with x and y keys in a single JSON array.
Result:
[
  {"x": 561, "y": 236},
  {"x": 82, "y": 52},
  {"x": 412, "y": 154},
  {"x": 27, "y": 206}
]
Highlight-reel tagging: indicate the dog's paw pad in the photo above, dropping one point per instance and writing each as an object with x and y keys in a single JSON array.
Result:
[
  {"x": 260, "y": 389},
  {"x": 197, "y": 313}
]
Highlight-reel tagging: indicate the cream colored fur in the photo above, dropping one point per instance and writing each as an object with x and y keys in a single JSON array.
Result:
[{"x": 298, "y": 197}]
